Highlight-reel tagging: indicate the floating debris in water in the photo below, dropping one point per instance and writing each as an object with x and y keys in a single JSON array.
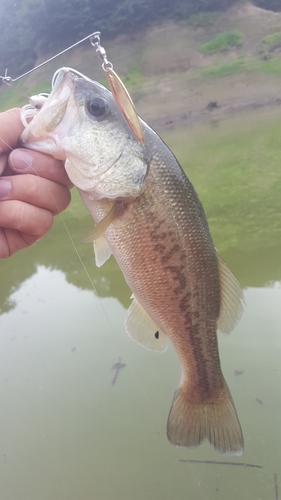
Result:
[
  {"x": 238, "y": 372},
  {"x": 212, "y": 105},
  {"x": 259, "y": 401},
  {"x": 117, "y": 366},
  {"x": 240, "y": 464},
  {"x": 275, "y": 486}
]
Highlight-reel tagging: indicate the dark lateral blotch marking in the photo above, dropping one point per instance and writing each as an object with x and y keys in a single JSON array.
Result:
[{"x": 156, "y": 335}]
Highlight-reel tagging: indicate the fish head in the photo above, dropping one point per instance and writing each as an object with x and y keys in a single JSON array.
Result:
[{"x": 81, "y": 124}]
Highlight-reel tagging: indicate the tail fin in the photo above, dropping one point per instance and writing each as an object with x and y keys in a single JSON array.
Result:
[{"x": 190, "y": 424}]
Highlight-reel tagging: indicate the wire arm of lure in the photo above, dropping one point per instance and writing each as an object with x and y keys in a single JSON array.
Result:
[
  {"x": 7, "y": 79},
  {"x": 118, "y": 89},
  {"x": 36, "y": 102}
]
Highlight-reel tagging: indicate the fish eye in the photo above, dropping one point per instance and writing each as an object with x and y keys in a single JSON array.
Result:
[{"x": 97, "y": 106}]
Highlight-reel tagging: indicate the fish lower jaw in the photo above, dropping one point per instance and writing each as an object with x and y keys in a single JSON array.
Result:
[{"x": 50, "y": 147}]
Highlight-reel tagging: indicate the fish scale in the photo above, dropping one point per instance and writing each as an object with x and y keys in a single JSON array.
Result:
[
  {"x": 169, "y": 273},
  {"x": 149, "y": 216}
]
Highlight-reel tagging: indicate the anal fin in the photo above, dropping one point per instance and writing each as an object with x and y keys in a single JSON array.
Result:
[{"x": 141, "y": 328}]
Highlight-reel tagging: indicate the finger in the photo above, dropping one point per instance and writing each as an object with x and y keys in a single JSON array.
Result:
[
  {"x": 33, "y": 162},
  {"x": 25, "y": 218},
  {"x": 3, "y": 162},
  {"x": 35, "y": 191},
  {"x": 4, "y": 247},
  {"x": 10, "y": 129},
  {"x": 4, "y": 165},
  {"x": 12, "y": 240}
]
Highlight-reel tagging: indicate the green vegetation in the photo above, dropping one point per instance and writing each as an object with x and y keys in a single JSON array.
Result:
[
  {"x": 224, "y": 69},
  {"x": 237, "y": 176},
  {"x": 13, "y": 99},
  {"x": 240, "y": 64},
  {"x": 272, "y": 41},
  {"x": 29, "y": 28},
  {"x": 40, "y": 87},
  {"x": 133, "y": 77},
  {"x": 269, "y": 44},
  {"x": 235, "y": 168},
  {"x": 222, "y": 42},
  {"x": 272, "y": 65}
]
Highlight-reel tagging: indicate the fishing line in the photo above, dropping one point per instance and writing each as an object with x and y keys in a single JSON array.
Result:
[
  {"x": 120, "y": 95},
  {"x": 137, "y": 378},
  {"x": 61, "y": 218},
  {"x": 67, "y": 231},
  {"x": 159, "y": 416},
  {"x": 7, "y": 79}
]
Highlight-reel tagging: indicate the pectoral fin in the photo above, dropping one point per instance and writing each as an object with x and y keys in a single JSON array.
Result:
[
  {"x": 232, "y": 299},
  {"x": 101, "y": 227},
  {"x": 118, "y": 209},
  {"x": 141, "y": 328}
]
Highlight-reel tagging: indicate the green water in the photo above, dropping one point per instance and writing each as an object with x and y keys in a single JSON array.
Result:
[{"x": 66, "y": 433}]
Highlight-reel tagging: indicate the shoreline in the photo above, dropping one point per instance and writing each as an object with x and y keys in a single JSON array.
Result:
[{"x": 212, "y": 113}]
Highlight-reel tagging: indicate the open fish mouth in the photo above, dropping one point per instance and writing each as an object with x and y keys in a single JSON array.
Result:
[{"x": 50, "y": 123}]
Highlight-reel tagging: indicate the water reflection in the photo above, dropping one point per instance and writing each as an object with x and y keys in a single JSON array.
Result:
[
  {"x": 255, "y": 268},
  {"x": 67, "y": 432},
  {"x": 65, "y": 429}
]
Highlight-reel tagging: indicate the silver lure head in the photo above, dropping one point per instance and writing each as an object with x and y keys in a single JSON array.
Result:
[{"x": 80, "y": 124}]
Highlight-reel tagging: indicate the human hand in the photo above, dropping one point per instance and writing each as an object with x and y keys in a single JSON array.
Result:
[{"x": 27, "y": 202}]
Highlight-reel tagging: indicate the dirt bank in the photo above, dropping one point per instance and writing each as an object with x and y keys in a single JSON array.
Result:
[{"x": 172, "y": 82}]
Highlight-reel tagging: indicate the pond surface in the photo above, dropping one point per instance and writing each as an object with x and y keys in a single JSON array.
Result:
[{"x": 66, "y": 432}]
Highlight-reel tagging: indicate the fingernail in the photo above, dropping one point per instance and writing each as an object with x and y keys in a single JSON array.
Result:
[
  {"x": 5, "y": 188},
  {"x": 20, "y": 160}
]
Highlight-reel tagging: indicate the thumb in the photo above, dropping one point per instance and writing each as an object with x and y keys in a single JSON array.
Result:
[{"x": 10, "y": 129}]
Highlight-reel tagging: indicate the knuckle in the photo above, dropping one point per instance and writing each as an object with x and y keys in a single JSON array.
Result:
[
  {"x": 63, "y": 200},
  {"x": 32, "y": 186},
  {"x": 17, "y": 214},
  {"x": 44, "y": 223},
  {"x": 66, "y": 198}
]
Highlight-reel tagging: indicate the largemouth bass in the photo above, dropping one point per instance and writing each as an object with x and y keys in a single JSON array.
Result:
[{"x": 149, "y": 217}]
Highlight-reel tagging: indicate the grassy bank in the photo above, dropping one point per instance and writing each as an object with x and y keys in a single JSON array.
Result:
[
  {"x": 170, "y": 73},
  {"x": 237, "y": 176}
]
